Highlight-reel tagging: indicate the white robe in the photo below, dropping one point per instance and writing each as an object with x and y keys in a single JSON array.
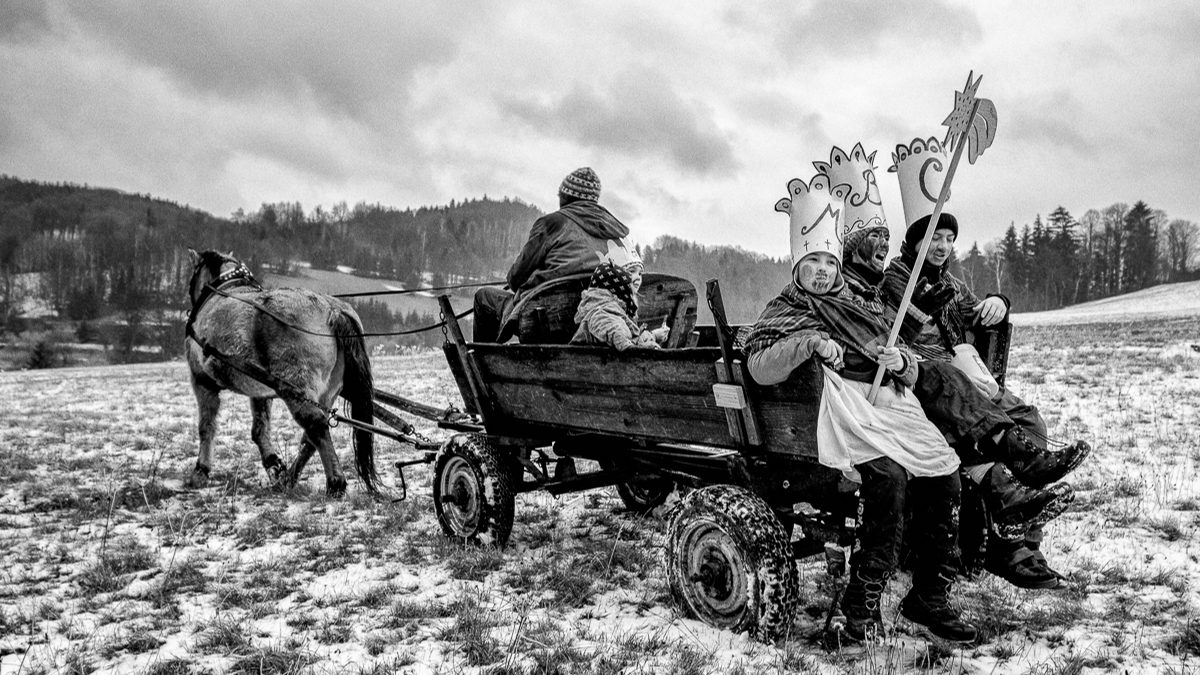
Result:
[{"x": 851, "y": 431}]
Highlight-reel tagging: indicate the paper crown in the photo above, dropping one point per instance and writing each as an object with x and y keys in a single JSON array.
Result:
[
  {"x": 921, "y": 167},
  {"x": 816, "y": 210},
  {"x": 863, "y": 206}
]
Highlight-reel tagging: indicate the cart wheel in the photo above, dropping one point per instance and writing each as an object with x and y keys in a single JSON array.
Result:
[
  {"x": 472, "y": 490},
  {"x": 730, "y": 565},
  {"x": 642, "y": 495}
]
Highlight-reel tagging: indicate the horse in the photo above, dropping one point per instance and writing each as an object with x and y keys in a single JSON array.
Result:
[{"x": 304, "y": 347}]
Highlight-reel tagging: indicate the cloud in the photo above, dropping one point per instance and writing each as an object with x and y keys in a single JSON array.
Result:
[
  {"x": 1054, "y": 120},
  {"x": 22, "y": 19},
  {"x": 354, "y": 59},
  {"x": 844, "y": 29},
  {"x": 640, "y": 113}
]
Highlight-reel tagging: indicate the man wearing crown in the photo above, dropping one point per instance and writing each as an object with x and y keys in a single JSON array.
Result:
[
  {"x": 901, "y": 460},
  {"x": 1006, "y": 464},
  {"x": 970, "y": 421}
]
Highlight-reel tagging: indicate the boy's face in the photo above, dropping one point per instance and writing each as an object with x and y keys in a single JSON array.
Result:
[
  {"x": 941, "y": 246},
  {"x": 817, "y": 273}
]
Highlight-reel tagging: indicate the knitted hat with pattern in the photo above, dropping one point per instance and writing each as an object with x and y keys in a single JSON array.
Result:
[
  {"x": 581, "y": 184},
  {"x": 616, "y": 280}
]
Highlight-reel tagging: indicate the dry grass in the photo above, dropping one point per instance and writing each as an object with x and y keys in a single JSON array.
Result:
[{"x": 108, "y": 563}]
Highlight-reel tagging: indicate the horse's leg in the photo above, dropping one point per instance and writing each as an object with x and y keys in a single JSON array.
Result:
[
  {"x": 260, "y": 431},
  {"x": 208, "y": 402},
  {"x": 306, "y": 452},
  {"x": 316, "y": 437}
]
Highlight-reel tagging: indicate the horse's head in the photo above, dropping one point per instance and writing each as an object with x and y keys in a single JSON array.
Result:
[{"x": 208, "y": 267}]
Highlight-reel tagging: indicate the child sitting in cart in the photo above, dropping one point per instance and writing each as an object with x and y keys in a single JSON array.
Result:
[
  {"x": 608, "y": 310},
  {"x": 901, "y": 460}
]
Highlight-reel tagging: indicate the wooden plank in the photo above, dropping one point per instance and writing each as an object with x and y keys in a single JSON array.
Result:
[
  {"x": 473, "y": 395},
  {"x": 655, "y": 395},
  {"x": 419, "y": 409},
  {"x": 741, "y": 377},
  {"x": 733, "y": 418}
]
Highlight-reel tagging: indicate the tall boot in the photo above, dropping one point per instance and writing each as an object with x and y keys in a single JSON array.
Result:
[
  {"x": 1036, "y": 466},
  {"x": 928, "y": 604},
  {"x": 1015, "y": 507},
  {"x": 861, "y": 603}
]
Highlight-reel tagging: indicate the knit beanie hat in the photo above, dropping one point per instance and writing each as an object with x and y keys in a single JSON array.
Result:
[
  {"x": 853, "y": 239},
  {"x": 916, "y": 231},
  {"x": 616, "y": 280},
  {"x": 581, "y": 183}
]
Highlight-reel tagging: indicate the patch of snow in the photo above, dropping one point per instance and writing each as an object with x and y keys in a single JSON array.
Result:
[
  {"x": 1159, "y": 302},
  {"x": 345, "y": 269}
]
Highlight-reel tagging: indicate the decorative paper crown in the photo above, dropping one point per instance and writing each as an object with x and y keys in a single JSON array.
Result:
[
  {"x": 921, "y": 167},
  {"x": 864, "y": 208},
  {"x": 816, "y": 216}
]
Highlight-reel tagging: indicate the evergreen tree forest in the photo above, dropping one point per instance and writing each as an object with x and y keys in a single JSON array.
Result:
[
  {"x": 113, "y": 267},
  {"x": 1064, "y": 261}
]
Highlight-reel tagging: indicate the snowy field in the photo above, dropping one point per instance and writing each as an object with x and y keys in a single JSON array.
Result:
[{"x": 109, "y": 565}]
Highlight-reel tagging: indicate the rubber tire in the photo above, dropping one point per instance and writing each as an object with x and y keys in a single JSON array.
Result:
[
  {"x": 643, "y": 496},
  {"x": 481, "y": 474},
  {"x": 747, "y": 547}
]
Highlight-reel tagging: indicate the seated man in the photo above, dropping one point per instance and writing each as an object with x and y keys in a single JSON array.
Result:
[
  {"x": 575, "y": 239},
  {"x": 991, "y": 460}
]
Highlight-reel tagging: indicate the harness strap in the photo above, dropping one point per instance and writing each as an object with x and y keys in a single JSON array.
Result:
[{"x": 241, "y": 276}]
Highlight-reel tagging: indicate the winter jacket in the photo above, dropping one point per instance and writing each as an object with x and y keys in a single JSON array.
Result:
[
  {"x": 573, "y": 240},
  {"x": 949, "y": 327},
  {"x": 602, "y": 320}
]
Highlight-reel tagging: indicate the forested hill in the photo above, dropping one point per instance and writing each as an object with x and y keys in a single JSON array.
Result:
[{"x": 82, "y": 253}]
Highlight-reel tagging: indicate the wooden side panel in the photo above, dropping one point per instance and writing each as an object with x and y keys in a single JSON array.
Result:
[{"x": 655, "y": 395}]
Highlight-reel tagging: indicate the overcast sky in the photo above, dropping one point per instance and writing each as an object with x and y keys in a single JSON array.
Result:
[{"x": 695, "y": 115}]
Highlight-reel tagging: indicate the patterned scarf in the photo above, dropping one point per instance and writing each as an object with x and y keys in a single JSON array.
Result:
[
  {"x": 856, "y": 321},
  {"x": 616, "y": 280}
]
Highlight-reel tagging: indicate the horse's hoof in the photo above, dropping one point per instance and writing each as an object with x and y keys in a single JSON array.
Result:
[
  {"x": 199, "y": 477},
  {"x": 336, "y": 488},
  {"x": 277, "y": 473}
]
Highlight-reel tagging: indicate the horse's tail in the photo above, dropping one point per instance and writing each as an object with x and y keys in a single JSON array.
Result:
[{"x": 358, "y": 389}]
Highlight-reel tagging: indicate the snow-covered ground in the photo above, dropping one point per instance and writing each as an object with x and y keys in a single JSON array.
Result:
[
  {"x": 1159, "y": 302},
  {"x": 109, "y": 564}
]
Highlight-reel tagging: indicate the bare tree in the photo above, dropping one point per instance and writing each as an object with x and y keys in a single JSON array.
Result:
[{"x": 1181, "y": 241}]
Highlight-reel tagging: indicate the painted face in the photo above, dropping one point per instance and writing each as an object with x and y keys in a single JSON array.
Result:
[
  {"x": 941, "y": 246},
  {"x": 817, "y": 273},
  {"x": 873, "y": 249}
]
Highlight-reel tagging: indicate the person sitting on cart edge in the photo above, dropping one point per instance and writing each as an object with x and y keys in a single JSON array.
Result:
[
  {"x": 978, "y": 427},
  {"x": 575, "y": 239},
  {"x": 891, "y": 448},
  {"x": 608, "y": 310},
  {"x": 1006, "y": 462}
]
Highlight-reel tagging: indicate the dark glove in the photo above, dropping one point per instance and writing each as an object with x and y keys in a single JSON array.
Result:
[{"x": 931, "y": 298}]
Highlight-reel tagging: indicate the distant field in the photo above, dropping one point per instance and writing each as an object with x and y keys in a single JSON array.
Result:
[
  {"x": 1168, "y": 301},
  {"x": 335, "y": 283}
]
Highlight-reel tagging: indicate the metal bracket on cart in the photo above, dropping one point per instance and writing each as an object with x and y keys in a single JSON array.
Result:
[{"x": 428, "y": 458}]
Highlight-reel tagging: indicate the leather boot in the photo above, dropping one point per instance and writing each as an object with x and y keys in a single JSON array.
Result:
[
  {"x": 1015, "y": 507},
  {"x": 1036, "y": 466},
  {"x": 928, "y": 604},
  {"x": 860, "y": 604},
  {"x": 1012, "y": 561}
]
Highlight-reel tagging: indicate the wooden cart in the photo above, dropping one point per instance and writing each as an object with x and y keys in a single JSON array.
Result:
[{"x": 688, "y": 415}]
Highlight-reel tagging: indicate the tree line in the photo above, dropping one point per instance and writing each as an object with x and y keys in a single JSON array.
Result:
[
  {"x": 1063, "y": 261},
  {"x": 81, "y": 254}
]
